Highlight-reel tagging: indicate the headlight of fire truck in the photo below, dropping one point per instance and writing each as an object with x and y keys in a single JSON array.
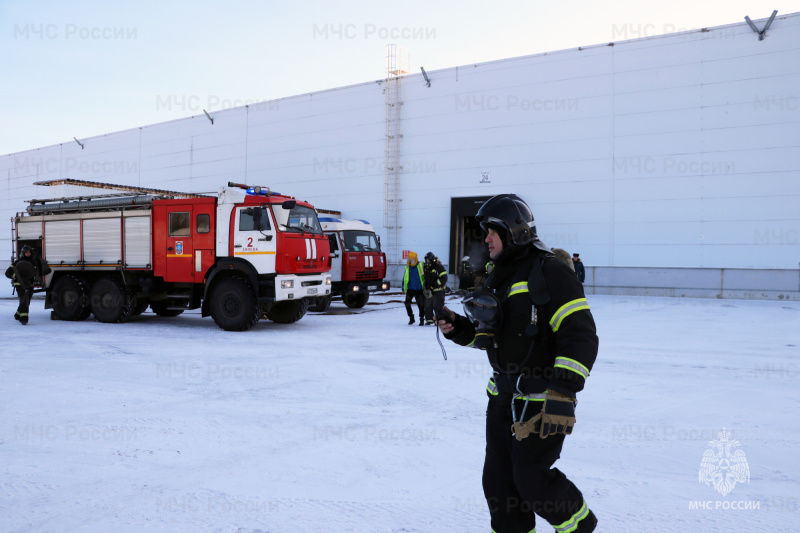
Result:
[
  {"x": 287, "y": 284},
  {"x": 328, "y": 280}
]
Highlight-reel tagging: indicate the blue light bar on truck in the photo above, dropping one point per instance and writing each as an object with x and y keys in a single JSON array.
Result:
[
  {"x": 255, "y": 190},
  {"x": 258, "y": 191}
]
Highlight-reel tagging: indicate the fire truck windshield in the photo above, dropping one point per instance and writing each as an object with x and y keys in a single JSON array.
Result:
[
  {"x": 360, "y": 241},
  {"x": 300, "y": 218}
]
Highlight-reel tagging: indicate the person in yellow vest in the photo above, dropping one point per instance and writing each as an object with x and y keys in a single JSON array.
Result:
[{"x": 412, "y": 288}]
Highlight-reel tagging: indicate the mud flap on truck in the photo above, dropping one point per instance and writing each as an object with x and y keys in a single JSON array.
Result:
[
  {"x": 288, "y": 311},
  {"x": 320, "y": 304}
]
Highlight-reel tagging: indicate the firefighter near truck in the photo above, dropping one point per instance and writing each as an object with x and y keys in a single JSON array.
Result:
[
  {"x": 238, "y": 256},
  {"x": 357, "y": 264}
]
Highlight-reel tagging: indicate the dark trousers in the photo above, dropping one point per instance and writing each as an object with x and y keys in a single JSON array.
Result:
[
  {"x": 24, "y": 300},
  {"x": 519, "y": 480},
  {"x": 411, "y": 294},
  {"x": 436, "y": 300}
]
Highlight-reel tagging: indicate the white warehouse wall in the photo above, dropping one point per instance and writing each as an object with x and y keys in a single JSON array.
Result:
[{"x": 677, "y": 153}]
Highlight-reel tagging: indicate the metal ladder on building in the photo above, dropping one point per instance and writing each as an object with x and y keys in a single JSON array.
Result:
[{"x": 398, "y": 63}]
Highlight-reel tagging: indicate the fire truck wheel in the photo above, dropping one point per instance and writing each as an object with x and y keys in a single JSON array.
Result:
[
  {"x": 68, "y": 299},
  {"x": 160, "y": 308},
  {"x": 356, "y": 301},
  {"x": 321, "y": 304},
  {"x": 233, "y": 305},
  {"x": 111, "y": 301},
  {"x": 288, "y": 311}
]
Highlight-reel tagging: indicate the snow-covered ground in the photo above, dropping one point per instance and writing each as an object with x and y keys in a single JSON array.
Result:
[{"x": 351, "y": 421}]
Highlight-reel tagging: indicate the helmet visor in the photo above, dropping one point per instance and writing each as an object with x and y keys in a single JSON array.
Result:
[{"x": 486, "y": 222}]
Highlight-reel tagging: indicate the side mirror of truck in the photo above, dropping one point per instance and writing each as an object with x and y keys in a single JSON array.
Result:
[
  {"x": 257, "y": 217},
  {"x": 289, "y": 204}
]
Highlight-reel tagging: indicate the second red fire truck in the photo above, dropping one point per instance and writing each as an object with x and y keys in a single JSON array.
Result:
[{"x": 357, "y": 264}]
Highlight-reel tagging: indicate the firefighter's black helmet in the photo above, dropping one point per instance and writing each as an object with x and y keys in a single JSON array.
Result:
[
  {"x": 429, "y": 257},
  {"x": 26, "y": 249},
  {"x": 510, "y": 213}
]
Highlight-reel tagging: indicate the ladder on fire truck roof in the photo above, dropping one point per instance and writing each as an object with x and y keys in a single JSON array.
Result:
[
  {"x": 129, "y": 198},
  {"x": 123, "y": 188}
]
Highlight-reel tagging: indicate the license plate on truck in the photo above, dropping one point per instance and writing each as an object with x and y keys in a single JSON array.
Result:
[
  {"x": 372, "y": 288},
  {"x": 312, "y": 291}
]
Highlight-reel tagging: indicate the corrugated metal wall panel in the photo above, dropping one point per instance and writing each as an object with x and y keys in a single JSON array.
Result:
[
  {"x": 137, "y": 242},
  {"x": 29, "y": 230},
  {"x": 62, "y": 241},
  {"x": 102, "y": 240}
]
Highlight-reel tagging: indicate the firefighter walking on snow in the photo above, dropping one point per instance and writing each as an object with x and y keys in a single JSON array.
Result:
[
  {"x": 25, "y": 273},
  {"x": 435, "y": 282},
  {"x": 533, "y": 320}
]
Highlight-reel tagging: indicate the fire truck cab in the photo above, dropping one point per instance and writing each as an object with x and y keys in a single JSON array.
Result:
[{"x": 357, "y": 264}]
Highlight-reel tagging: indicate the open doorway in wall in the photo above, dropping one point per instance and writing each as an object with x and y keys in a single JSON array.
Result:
[{"x": 466, "y": 235}]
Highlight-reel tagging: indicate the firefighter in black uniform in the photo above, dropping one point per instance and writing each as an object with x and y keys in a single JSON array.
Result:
[
  {"x": 466, "y": 281},
  {"x": 534, "y": 322},
  {"x": 25, "y": 273},
  {"x": 434, "y": 284}
]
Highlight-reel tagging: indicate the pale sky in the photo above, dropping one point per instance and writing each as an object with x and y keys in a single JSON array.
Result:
[{"x": 86, "y": 68}]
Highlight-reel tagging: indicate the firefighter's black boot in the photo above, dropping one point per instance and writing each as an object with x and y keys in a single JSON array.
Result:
[
  {"x": 421, "y": 321},
  {"x": 23, "y": 319},
  {"x": 16, "y": 316},
  {"x": 411, "y": 321},
  {"x": 588, "y": 524}
]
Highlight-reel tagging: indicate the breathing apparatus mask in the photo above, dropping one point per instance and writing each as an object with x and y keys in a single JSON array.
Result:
[{"x": 485, "y": 311}]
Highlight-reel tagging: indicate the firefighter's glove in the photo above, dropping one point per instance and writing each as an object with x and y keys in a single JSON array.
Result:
[{"x": 558, "y": 414}]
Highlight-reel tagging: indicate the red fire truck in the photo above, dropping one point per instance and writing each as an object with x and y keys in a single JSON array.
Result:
[
  {"x": 241, "y": 255},
  {"x": 357, "y": 264}
]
